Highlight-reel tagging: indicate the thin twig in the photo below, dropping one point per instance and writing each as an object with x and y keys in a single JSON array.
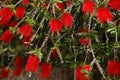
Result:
[
  {"x": 48, "y": 56},
  {"x": 44, "y": 42},
  {"x": 18, "y": 2},
  {"x": 4, "y": 50}
]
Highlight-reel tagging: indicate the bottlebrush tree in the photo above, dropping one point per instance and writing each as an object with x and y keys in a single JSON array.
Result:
[{"x": 83, "y": 35}]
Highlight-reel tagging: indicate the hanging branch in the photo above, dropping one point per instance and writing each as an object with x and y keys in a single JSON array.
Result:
[
  {"x": 91, "y": 50},
  {"x": 44, "y": 42},
  {"x": 40, "y": 25}
]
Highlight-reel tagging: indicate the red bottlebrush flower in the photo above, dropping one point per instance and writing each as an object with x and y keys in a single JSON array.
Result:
[
  {"x": 88, "y": 7},
  {"x": 32, "y": 63},
  {"x": 13, "y": 24},
  {"x": 19, "y": 66},
  {"x": 25, "y": 30},
  {"x": 87, "y": 41},
  {"x": 68, "y": 2},
  {"x": 114, "y": 68},
  {"x": 84, "y": 41},
  {"x": 18, "y": 71},
  {"x": 117, "y": 69},
  {"x": 36, "y": 64},
  {"x": 25, "y": 2},
  {"x": 45, "y": 70},
  {"x": 104, "y": 15},
  {"x": 19, "y": 61},
  {"x": 60, "y": 6},
  {"x": 20, "y": 11},
  {"x": 54, "y": 54},
  {"x": 27, "y": 40},
  {"x": 111, "y": 67},
  {"x": 114, "y": 4},
  {"x": 67, "y": 20},
  {"x": 7, "y": 36},
  {"x": 55, "y": 25},
  {"x": 81, "y": 72},
  {"x": 5, "y": 16},
  {"x": 29, "y": 63},
  {"x": 78, "y": 72},
  {"x": 5, "y": 72}
]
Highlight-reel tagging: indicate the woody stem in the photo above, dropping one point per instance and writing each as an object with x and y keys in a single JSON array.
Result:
[{"x": 91, "y": 50}]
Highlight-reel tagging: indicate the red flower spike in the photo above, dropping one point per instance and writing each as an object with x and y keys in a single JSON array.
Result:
[
  {"x": 60, "y": 6},
  {"x": 117, "y": 69},
  {"x": 114, "y": 4},
  {"x": 88, "y": 7},
  {"x": 20, "y": 11},
  {"x": 18, "y": 71},
  {"x": 29, "y": 63},
  {"x": 13, "y": 23},
  {"x": 78, "y": 72},
  {"x": 111, "y": 67},
  {"x": 32, "y": 63},
  {"x": 82, "y": 42},
  {"x": 104, "y": 15},
  {"x": 35, "y": 65},
  {"x": 114, "y": 68},
  {"x": 27, "y": 40},
  {"x": 55, "y": 25},
  {"x": 5, "y": 15},
  {"x": 67, "y": 20},
  {"x": 68, "y": 2},
  {"x": 81, "y": 75},
  {"x": 7, "y": 36},
  {"x": 25, "y": 2},
  {"x": 25, "y": 30},
  {"x": 87, "y": 41},
  {"x": 54, "y": 54},
  {"x": 45, "y": 70},
  {"x": 19, "y": 61},
  {"x": 5, "y": 72}
]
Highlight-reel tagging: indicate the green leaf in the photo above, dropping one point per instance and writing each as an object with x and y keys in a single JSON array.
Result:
[
  {"x": 40, "y": 55},
  {"x": 36, "y": 52},
  {"x": 30, "y": 21},
  {"x": 57, "y": 1},
  {"x": 111, "y": 29},
  {"x": 113, "y": 32}
]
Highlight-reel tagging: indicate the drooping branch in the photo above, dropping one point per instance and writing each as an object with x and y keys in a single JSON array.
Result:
[
  {"x": 91, "y": 50},
  {"x": 44, "y": 42}
]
